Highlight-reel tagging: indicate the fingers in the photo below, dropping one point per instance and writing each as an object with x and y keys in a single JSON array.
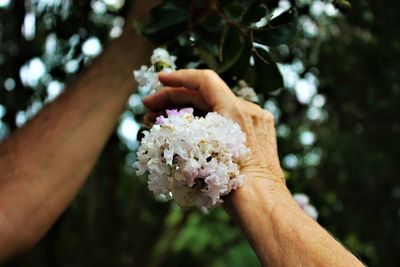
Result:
[
  {"x": 187, "y": 78},
  {"x": 211, "y": 87},
  {"x": 172, "y": 97}
]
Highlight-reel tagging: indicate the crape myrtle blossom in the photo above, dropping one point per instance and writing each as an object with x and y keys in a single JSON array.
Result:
[
  {"x": 194, "y": 160},
  {"x": 161, "y": 59},
  {"x": 304, "y": 202},
  {"x": 147, "y": 78}
]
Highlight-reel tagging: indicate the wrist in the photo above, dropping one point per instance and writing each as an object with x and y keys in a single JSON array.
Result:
[
  {"x": 259, "y": 207},
  {"x": 121, "y": 56},
  {"x": 258, "y": 195}
]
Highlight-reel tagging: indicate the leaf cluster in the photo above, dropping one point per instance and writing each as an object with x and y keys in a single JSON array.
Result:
[{"x": 231, "y": 37}]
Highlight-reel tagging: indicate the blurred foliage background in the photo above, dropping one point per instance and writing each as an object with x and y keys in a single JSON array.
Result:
[{"x": 337, "y": 119}]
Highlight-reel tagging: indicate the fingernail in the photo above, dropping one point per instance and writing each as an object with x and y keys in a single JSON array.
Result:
[{"x": 165, "y": 72}]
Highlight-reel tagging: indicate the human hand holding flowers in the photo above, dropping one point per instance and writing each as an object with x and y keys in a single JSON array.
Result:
[
  {"x": 202, "y": 183},
  {"x": 205, "y": 90},
  {"x": 276, "y": 227}
]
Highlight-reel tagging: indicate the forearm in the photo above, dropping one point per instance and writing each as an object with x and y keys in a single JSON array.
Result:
[
  {"x": 281, "y": 233},
  {"x": 44, "y": 163}
]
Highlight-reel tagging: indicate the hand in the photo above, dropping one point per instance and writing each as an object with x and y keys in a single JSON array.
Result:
[
  {"x": 278, "y": 230},
  {"x": 205, "y": 90}
]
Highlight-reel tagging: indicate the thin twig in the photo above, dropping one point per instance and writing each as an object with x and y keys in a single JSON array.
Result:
[{"x": 254, "y": 49}]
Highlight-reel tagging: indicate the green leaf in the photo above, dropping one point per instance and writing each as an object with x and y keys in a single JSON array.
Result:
[
  {"x": 242, "y": 65},
  {"x": 279, "y": 30},
  {"x": 234, "y": 11},
  {"x": 181, "y": 3},
  {"x": 209, "y": 41},
  {"x": 226, "y": 2},
  {"x": 268, "y": 76},
  {"x": 213, "y": 24},
  {"x": 255, "y": 13},
  {"x": 343, "y": 5},
  {"x": 232, "y": 45},
  {"x": 168, "y": 20},
  {"x": 207, "y": 57},
  {"x": 208, "y": 34}
]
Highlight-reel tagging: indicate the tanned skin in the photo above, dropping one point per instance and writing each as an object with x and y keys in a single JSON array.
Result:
[
  {"x": 278, "y": 230},
  {"x": 44, "y": 163}
]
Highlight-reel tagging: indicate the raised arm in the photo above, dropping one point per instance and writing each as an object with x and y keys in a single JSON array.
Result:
[
  {"x": 278, "y": 230},
  {"x": 44, "y": 163}
]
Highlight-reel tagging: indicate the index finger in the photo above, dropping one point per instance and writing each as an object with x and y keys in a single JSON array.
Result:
[{"x": 211, "y": 87}]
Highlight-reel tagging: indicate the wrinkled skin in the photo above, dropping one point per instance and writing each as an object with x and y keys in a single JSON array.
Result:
[
  {"x": 278, "y": 230},
  {"x": 205, "y": 90}
]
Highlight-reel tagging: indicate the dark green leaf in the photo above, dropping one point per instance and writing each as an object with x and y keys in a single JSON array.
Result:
[
  {"x": 208, "y": 34},
  {"x": 209, "y": 41},
  {"x": 232, "y": 45},
  {"x": 244, "y": 3},
  {"x": 180, "y": 3},
  {"x": 213, "y": 24},
  {"x": 255, "y": 13},
  {"x": 207, "y": 57},
  {"x": 167, "y": 21},
  {"x": 234, "y": 11},
  {"x": 241, "y": 66},
  {"x": 279, "y": 30},
  {"x": 271, "y": 4},
  {"x": 268, "y": 76},
  {"x": 343, "y": 5},
  {"x": 226, "y": 2}
]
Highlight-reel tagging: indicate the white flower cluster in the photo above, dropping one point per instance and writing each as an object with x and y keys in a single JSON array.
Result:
[
  {"x": 194, "y": 160},
  {"x": 147, "y": 78},
  {"x": 246, "y": 92},
  {"x": 304, "y": 202}
]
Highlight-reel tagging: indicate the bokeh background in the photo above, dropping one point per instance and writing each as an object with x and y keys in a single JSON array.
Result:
[{"x": 337, "y": 119}]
